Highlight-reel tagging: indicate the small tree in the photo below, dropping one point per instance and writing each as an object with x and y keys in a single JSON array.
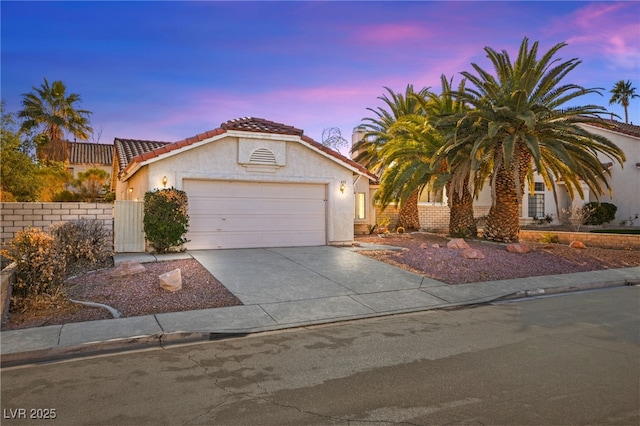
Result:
[
  {"x": 92, "y": 184},
  {"x": 165, "y": 218}
]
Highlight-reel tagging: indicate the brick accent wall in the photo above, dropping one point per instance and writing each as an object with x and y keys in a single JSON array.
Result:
[
  {"x": 434, "y": 217},
  {"x": 15, "y": 217},
  {"x": 615, "y": 241}
]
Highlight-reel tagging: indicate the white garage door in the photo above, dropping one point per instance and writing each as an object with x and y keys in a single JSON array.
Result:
[{"x": 252, "y": 214}]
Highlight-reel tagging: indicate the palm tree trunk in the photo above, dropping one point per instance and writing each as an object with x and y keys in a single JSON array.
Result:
[
  {"x": 461, "y": 220},
  {"x": 503, "y": 222},
  {"x": 408, "y": 216}
]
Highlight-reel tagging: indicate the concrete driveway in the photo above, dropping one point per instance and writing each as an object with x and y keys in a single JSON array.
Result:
[{"x": 272, "y": 275}]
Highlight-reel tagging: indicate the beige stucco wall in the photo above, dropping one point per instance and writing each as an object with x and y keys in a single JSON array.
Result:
[{"x": 227, "y": 159}]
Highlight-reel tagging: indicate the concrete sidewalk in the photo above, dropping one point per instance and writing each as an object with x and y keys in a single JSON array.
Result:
[{"x": 283, "y": 288}]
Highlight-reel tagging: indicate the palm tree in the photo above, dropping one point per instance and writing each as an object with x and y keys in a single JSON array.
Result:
[
  {"x": 622, "y": 93},
  {"x": 367, "y": 151},
  {"x": 517, "y": 124},
  {"x": 415, "y": 163},
  {"x": 51, "y": 113}
]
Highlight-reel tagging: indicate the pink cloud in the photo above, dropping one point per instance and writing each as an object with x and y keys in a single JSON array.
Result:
[
  {"x": 605, "y": 29},
  {"x": 391, "y": 33}
]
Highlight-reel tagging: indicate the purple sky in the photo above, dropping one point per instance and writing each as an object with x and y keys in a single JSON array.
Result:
[{"x": 169, "y": 70}]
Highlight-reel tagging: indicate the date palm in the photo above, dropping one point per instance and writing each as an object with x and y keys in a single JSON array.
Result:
[
  {"x": 368, "y": 152},
  {"x": 622, "y": 93},
  {"x": 53, "y": 114},
  {"x": 520, "y": 119},
  {"x": 414, "y": 161}
]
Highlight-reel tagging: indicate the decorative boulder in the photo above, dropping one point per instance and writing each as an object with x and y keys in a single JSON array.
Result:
[
  {"x": 435, "y": 246},
  {"x": 423, "y": 246},
  {"x": 577, "y": 244},
  {"x": 472, "y": 254},
  {"x": 518, "y": 248},
  {"x": 171, "y": 281},
  {"x": 458, "y": 243},
  {"x": 128, "y": 268}
]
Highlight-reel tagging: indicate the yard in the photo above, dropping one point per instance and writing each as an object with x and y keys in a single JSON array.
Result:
[{"x": 424, "y": 254}]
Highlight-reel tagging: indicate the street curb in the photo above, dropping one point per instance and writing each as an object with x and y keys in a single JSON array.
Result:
[
  {"x": 569, "y": 289},
  {"x": 165, "y": 340}
]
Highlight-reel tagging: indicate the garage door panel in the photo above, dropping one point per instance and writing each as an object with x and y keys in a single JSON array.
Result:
[
  {"x": 205, "y": 223},
  {"x": 248, "y": 214}
]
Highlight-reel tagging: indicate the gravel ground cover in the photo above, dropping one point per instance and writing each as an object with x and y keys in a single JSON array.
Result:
[
  {"x": 448, "y": 265},
  {"x": 133, "y": 295}
]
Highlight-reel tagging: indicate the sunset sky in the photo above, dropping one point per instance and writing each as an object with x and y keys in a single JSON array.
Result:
[{"x": 169, "y": 70}]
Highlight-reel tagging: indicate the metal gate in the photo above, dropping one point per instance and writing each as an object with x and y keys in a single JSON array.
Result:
[{"x": 128, "y": 227}]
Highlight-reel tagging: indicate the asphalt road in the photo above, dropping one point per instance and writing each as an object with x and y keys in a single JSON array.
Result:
[{"x": 573, "y": 359}]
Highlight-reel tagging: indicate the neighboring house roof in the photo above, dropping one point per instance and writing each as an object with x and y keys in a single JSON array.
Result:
[
  {"x": 128, "y": 149},
  {"x": 141, "y": 151},
  {"x": 90, "y": 153}
]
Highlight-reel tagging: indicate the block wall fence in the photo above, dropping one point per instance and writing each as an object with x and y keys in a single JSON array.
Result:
[
  {"x": 614, "y": 241},
  {"x": 15, "y": 217}
]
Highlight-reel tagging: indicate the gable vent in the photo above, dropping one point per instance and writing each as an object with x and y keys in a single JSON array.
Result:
[{"x": 262, "y": 156}]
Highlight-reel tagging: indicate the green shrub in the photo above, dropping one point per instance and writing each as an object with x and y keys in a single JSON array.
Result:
[
  {"x": 40, "y": 267},
  {"x": 600, "y": 213},
  {"x": 165, "y": 218},
  {"x": 84, "y": 243}
]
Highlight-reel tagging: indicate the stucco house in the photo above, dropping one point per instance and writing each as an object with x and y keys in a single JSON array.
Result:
[{"x": 250, "y": 183}]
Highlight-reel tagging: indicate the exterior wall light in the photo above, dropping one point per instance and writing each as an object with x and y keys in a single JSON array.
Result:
[
  {"x": 343, "y": 186},
  {"x": 164, "y": 181}
]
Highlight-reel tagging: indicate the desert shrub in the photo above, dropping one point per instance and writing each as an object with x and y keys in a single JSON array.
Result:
[
  {"x": 83, "y": 243},
  {"x": 550, "y": 238},
  {"x": 165, "y": 218},
  {"x": 39, "y": 266},
  {"x": 600, "y": 213}
]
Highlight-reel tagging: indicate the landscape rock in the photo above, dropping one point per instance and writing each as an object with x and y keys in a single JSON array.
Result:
[
  {"x": 472, "y": 254},
  {"x": 436, "y": 246},
  {"x": 458, "y": 243},
  {"x": 518, "y": 248},
  {"x": 423, "y": 246},
  {"x": 128, "y": 268},
  {"x": 171, "y": 281},
  {"x": 577, "y": 245}
]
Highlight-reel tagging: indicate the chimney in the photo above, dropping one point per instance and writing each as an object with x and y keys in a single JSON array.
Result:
[{"x": 356, "y": 136}]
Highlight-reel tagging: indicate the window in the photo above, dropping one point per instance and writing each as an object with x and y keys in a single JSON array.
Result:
[
  {"x": 361, "y": 206},
  {"x": 536, "y": 201}
]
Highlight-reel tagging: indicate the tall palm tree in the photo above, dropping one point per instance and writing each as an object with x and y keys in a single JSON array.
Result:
[
  {"x": 622, "y": 93},
  {"x": 367, "y": 151},
  {"x": 51, "y": 113},
  {"x": 518, "y": 117}
]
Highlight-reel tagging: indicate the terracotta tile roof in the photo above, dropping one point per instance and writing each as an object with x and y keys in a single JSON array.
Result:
[
  {"x": 624, "y": 128},
  {"x": 90, "y": 153},
  {"x": 128, "y": 149},
  {"x": 146, "y": 150},
  {"x": 250, "y": 124}
]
